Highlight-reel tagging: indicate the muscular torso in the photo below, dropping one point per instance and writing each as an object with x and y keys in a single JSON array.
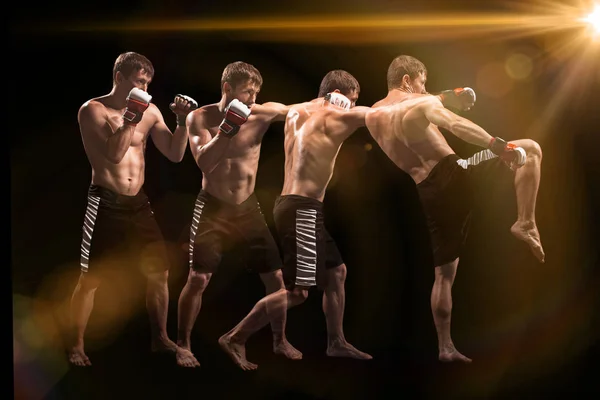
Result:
[
  {"x": 405, "y": 136},
  {"x": 126, "y": 177},
  {"x": 311, "y": 148},
  {"x": 234, "y": 177}
]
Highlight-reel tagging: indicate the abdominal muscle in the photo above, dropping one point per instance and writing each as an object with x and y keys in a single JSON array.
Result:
[{"x": 232, "y": 181}]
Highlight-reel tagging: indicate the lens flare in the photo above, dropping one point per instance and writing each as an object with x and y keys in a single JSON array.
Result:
[{"x": 594, "y": 19}]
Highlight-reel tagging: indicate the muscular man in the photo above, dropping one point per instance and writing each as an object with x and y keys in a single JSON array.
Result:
[
  {"x": 225, "y": 140},
  {"x": 405, "y": 125},
  {"x": 118, "y": 220},
  {"x": 314, "y": 133}
]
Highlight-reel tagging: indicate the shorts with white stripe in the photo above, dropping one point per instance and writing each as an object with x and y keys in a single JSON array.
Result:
[
  {"x": 116, "y": 226},
  {"x": 306, "y": 245},
  {"x": 220, "y": 229}
]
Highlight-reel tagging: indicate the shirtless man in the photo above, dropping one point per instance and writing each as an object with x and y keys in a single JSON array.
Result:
[
  {"x": 314, "y": 133},
  {"x": 115, "y": 129},
  {"x": 225, "y": 140},
  {"x": 405, "y": 125}
]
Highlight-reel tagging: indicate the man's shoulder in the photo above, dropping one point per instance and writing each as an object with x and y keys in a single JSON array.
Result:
[
  {"x": 206, "y": 116},
  {"x": 206, "y": 110},
  {"x": 93, "y": 103},
  {"x": 92, "y": 107}
]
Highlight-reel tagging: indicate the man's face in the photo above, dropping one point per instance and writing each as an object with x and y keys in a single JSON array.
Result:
[
  {"x": 417, "y": 85},
  {"x": 353, "y": 97},
  {"x": 245, "y": 92},
  {"x": 139, "y": 79}
]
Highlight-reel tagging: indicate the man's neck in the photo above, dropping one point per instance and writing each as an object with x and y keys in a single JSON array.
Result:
[
  {"x": 222, "y": 104},
  {"x": 117, "y": 99}
]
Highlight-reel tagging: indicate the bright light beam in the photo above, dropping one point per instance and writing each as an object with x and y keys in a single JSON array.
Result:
[{"x": 594, "y": 19}]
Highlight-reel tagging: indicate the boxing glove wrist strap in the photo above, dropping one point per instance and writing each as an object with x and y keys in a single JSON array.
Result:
[
  {"x": 497, "y": 145},
  {"x": 181, "y": 120}
]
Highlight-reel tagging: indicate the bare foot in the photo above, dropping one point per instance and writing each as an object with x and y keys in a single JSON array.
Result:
[
  {"x": 449, "y": 353},
  {"x": 183, "y": 356},
  {"x": 237, "y": 352},
  {"x": 345, "y": 349},
  {"x": 286, "y": 349},
  {"x": 78, "y": 358},
  {"x": 527, "y": 231}
]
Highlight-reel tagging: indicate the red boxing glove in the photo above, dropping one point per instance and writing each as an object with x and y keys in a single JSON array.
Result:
[
  {"x": 513, "y": 155},
  {"x": 236, "y": 114},
  {"x": 460, "y": 98},
  {"x": 138, "y": 101}
]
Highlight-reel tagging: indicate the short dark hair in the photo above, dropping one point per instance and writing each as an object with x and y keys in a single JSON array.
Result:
[
  {"x": 403, "y": 65},
  {"x": 340, "y": 80},
  {"x": 240, "y": 72},
  {"x": 128, "y": 62}
]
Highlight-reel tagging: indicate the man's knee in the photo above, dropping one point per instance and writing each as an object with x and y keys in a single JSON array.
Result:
[
  {"x": 532, "y": 148},
  {"x": 198, "y": 281},
  {"x": 299, "y": 294}
]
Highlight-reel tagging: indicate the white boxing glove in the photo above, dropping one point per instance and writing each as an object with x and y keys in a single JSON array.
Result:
[
  {"x": 338, "y": 99},
  {"x": 138, "y": 101},
  {"x": 236, "y": 114}
]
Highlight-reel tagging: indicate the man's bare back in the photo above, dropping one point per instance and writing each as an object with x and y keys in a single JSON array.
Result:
[
  {"x": 399, "y": 126},
  {"x": 314, "y": 133},
  {"x": 233, "y": 177}
]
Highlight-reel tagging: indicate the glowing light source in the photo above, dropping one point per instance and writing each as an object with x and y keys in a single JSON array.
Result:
[{"x": 594, "y": 19}]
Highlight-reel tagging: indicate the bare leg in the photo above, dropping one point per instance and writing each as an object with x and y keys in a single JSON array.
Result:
[
  {"x": 527, "y": 182},
  {"x": 82, "y": 303},
  {"x": 334, "y": 299},
  {"x": 441, "y": 307},
  {"x": 267, "y": 309},
  {"x": 273, "y": 282},
  {"x": 157, "y": 304},
  {"x": 190, "y": 302}
]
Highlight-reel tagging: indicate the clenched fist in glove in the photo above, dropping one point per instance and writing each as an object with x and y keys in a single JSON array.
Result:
[
  {"x": 236, "y": 114},
  {"x": 513, "y": 155},
  {"x": 138, "y": 101},
  {"x": 460, "y": 98},
  {"x": 182, "y": 105}
]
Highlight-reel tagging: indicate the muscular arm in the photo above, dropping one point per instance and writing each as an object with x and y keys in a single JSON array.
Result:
[
  {"x": 273, "y": 111},
  {"x": 207, "y": 150},
  {"x": 461, "y": 127},
  {"x": 346, "y": 122},
  {"x": 171, "y": 145},
  {"x": 95, "y": 127}
]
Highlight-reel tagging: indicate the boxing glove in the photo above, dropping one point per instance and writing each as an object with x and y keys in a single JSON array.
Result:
[
  {"x": 236, "y": 114},
  {"x": 460, "y": 98},
  {"x": 338, "y": 99},
  {"x": 513, "y": 155},
  {"x": 138, "y": 101},
  {"x": 180, "y": 107}
]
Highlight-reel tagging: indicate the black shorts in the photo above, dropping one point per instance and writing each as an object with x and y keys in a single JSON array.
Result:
[
  {"x": 119, "y": 229},
  {"x": 218, "y": 227},
  {"x": 307, "y": 246},
  {"x": 447, "y": 196}
]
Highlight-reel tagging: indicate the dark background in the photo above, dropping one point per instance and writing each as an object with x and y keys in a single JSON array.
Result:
[{"x": 531, "y": 329}]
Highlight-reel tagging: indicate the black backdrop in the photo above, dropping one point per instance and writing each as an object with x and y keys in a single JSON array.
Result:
[{"x": 531, "y": 329}]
